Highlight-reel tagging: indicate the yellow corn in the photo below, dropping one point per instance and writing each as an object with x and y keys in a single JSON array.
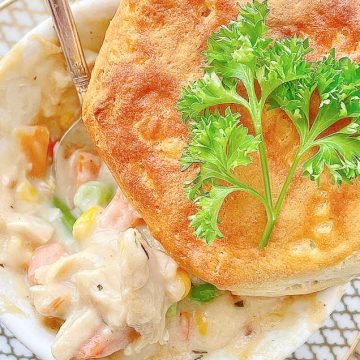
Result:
[
  {"x": 28, "y": 192},
  {"x": 201, "y": 322},
  {"x": 185, "y": 279},
  {"x": 85, "y": 224},
  {"x": 122, "y": 247}
]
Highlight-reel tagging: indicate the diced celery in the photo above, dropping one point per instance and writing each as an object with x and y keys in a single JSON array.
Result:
[
  {"x": 94, "y": 193},
  {"x": 67, "y": 217}
]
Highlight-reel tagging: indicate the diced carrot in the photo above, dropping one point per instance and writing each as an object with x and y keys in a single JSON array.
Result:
[
  {"x": 103, "y": 343},
  {"x": 120, "y": 214},
  {"x": 87, "y": 167},
  {"x": 52, "y": 323},
  {"x": 34, "y": 142},
  {"x": 50, "y": 151},
  {"x": 133, "y": 335},
  {"x": 56, "y": 303},
  {"x": 185, "y": 322},
  {"x": 44, "y": 255}
]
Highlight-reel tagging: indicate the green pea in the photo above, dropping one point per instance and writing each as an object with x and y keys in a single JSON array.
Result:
[
  {"x": 172, "y": 311},
  {"x": 204, "y": 292}
]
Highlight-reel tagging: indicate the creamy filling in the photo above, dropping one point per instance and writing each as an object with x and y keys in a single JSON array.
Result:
[
  {"x": 117, "y": 279},
  {"x": 110, "y": 288}
]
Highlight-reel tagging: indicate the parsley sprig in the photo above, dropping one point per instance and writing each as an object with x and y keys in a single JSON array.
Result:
[{"x": 242, "y": 53}]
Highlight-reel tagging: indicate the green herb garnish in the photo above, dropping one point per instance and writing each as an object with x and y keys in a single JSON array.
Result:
[
  {"x": 242, "y": 54},
  {"x": 204, "y": 292}
]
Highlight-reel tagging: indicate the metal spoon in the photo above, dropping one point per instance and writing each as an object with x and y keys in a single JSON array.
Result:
[
  {"x": 6, "y": 3},
  {"x": 74, "y": 55},
  {"x": 77, "y": 134}
]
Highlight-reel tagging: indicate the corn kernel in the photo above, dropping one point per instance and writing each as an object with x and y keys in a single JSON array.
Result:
[
  {"x": 185, "y": 279},
  {"x": 28, "y": 192},
  {"x": 86, "y": 223},
  {"x": 201, "y": 322},
  {"x": 122, "y": 247}
]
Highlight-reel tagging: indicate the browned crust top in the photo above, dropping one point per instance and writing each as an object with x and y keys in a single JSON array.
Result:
[{"x": 152, "y": 49}]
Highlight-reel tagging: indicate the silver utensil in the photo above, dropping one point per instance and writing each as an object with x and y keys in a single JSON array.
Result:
[
  {"x": 70, "y": 43},
  {"x": 352, "y": 354},
  {"x": 4, "y": 4}
]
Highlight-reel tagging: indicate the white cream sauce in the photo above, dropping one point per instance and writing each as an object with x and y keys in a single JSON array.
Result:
[{"x": 117, "y": 279}]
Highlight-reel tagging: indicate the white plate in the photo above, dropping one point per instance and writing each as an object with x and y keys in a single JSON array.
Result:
[{"x": 18, "y": 72}]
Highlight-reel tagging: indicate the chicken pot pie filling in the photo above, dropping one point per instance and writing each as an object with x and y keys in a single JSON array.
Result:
[{"x": 88, "y": 260}]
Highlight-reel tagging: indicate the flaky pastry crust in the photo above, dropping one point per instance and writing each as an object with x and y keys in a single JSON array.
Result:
[{"x": 151, "y": 50}]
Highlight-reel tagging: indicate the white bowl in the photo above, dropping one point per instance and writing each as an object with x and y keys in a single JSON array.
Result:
[{"x": 18, "y": 73}]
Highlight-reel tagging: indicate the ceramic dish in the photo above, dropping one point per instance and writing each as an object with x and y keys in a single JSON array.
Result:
[{"x": 33, "y": 81}]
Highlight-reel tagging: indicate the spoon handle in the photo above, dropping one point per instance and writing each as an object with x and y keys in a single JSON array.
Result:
[{"x": 70, "y": 43}]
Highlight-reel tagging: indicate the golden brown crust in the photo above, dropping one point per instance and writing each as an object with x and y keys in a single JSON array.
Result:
[{"x": 152, "y": 49}]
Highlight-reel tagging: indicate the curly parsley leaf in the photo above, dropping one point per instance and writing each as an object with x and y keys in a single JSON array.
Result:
[
  {"x": 281, "y": 63},
  {"x": 232, "y": 50},
  {"x": 218, "y": 145},
  {"x": 340, "y": 154},
  {"x": 205, "y": 221},
  {"x": 207, "y": 91},
  {"x": 220, "y": 141},
  {"x": 294, "y": 99},
  {"x": 337, "y": 83},
  {"x": 241, "y": 51}
]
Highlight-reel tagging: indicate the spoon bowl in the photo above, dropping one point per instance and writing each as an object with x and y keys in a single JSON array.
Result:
[
  {"x": 65, "y": 28},
  {"x": 76, "y": 136}
]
